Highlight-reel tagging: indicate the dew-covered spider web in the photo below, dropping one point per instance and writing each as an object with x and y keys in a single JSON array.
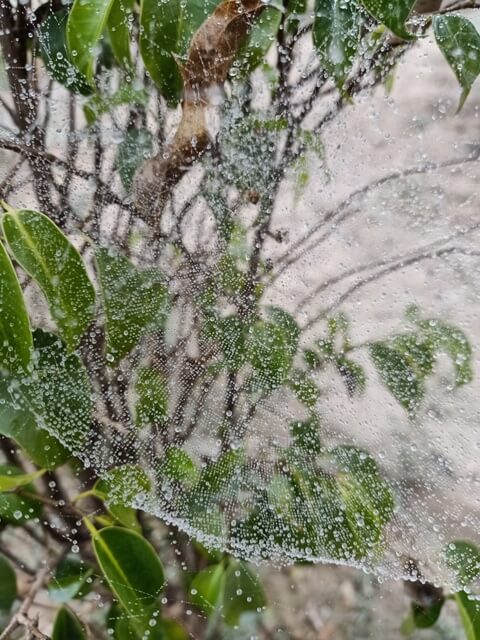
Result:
[{"x": 284, "y": 362}]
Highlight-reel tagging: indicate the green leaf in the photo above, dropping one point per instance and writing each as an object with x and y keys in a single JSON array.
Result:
[
  {"x": 304, "y": 388},
  {"x": 178, "y": 466},
  {"x": 166, "y": 29},
  {"x": 119, "y": 489},
  {"x": 8, "y": 585},
  {"x": 72, "y": 579},
  {"x": 132, "y": 568},
  {"x": 86, "y": 22},
  {"x": 393, "y": 14},
  {"x": 231, "y": 332},
  {"x": 15, "y": 509},
  {"x": 426, "y": 617},
  {"x": 260, "y": 39},
  {"x": 67, "y": 626},
  {"x": 53, "y": 404},
  {"x": 135, "y": 302},
  {"x": 118, "y": 29},
  {"x": 459, "y": 41},
  {"x": 207, "y": 587},
  {"x": 242, "y": 592},
  {"x": 217, "y": 476},
  {"x": 306, "y": 436},
  {"x": 99, "y": 104},
  {"x": 52, "y": 41},
  {"x": 352, "y": 374},
  {"x": 336, "y": 35},
  {"x": 151, "y": 392},
  {"x": 272, "y": 346},
  {"x": 15, "y": 336},
  {"x": 12, "y": 481},
  {"x": 368, "y": 499},
  {"x": 448, "y": 339},
  {"x": 398, "y": 375},
  {"x": 463, "y": 559},
  {"x": 419, "y": 352},
  {"x": 132, "y": 152},
  {"x": 19, "y": 423},
  {"x": 469, "y": 614},
  {"x": 52, "y": 261}
]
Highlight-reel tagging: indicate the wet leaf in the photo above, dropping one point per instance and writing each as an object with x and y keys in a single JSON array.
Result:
[
  {"x": 86, "y": 22},
  {"x": 178, "y": 466},
  {"x": 8, "y": 585},
  {"x": 397, "y": 373},
  {"x": 352, "y": 374},
  {"x": 71, "y": 579},
  {"x": 100, "y": 104},
  {"x": 392, "y": 14},
  {"x": 132, "y": 152},
  {"x": 336, "y": 35},
  {"x": 15, "y": 335},
  {"x": 151, "y": 392},
  {"x": 15, "y": 509},
  {"x": 207, "y": 588},
  {"x": 52, "y": 42},
  {"x": 132, "y": 568},
  {"x": 260, "y": 39},
  {"x": 304, "y": 388},
  {"x": 306, "y": 436},
  {"x": 120, "y": 489},
  {"x": 242, "y": 592},
  {"x": 45, "y": 253},
  {"x": 463, "y": 559},
  {"x": 119, "y": 20},
  {"x": 12, "y": 481},
  {"x": 67, "y": 626},
  {"x": 135, "y": 302},
  {"x": 459, "y": 41},
  {"x": 469, "y": 610}
]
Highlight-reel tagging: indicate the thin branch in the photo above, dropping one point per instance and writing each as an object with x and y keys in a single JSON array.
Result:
[
  {"x": 20, "y": 619},
  {"x": 399, "y": 258},
  {"x": 429, "y": 255},
  {"x": 341, "y": 212}
]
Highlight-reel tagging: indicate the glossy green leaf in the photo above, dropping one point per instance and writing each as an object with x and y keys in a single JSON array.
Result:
[
  {"x": 392, "y": 14},
  {"x": 151, "y": 398},
  {"x": 132, "y": 151},
  {"x": 52, "y": 41},
  {"x": 12, "y": 481},
  {"x": 336, "y": 35},
  {"x": 207, "y": 588},
  {"x": 119, "y": 19},
  {"x": 8, "y": 585},
  {"x": 397, "y": 373},
  {"x": 135, "y": 302},
  {"x": 459, "y": 41},
  {"x": 166, "y": 29},
  {"x": 259, "y": 41},
  {"x": 71, "y": 579},
  {"x": 16, "y": 509},
  {"x": 100, "y": 104},
  {"x": 15, "y": 335},
  {"x": 67, "y": 626},
  {"x": 463, "y": 560},
  {"x": 469, "y": 610},
  {"x": 242, "y": 593},
  {"x": 304, "y": 388},
  {"x": 52, "y": 261},
  {"x": 86, "y": 22},
  {"x": 132, "y": 568}
]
